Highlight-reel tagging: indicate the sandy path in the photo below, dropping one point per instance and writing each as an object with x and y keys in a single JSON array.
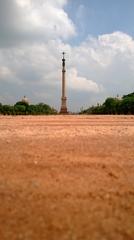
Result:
[{"x": 67, "y": 177}]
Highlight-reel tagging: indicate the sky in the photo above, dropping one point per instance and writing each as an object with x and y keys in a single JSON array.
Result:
[{"x": 97, "y": 36}]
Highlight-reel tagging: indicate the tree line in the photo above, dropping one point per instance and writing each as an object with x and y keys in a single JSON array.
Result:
[
  {"x": 125, "y": 105},
  {"x": 23, "y": 108}
]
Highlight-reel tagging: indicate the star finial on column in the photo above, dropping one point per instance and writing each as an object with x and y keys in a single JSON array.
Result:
[{"x": 63, "y": 55}]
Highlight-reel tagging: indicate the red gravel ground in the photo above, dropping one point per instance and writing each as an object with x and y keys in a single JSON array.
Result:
[{"x": 67, "y": 178}]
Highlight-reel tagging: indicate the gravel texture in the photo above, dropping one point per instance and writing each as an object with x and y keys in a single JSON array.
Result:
[{"x": 67, "y": 178}]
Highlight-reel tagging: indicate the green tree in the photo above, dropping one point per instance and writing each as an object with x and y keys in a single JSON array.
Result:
[
  {"x": 0, "y": 108},
  {"x": 111, "y": 105},
  {"x": 20, "y": 109},
  {"x": 32, "y": 109},
  {"x": 127, "y": 105},
  {"x": 7, "y": 110}
]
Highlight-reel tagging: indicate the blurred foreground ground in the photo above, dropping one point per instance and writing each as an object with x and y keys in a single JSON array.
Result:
[{"x": 67, "y": 178}]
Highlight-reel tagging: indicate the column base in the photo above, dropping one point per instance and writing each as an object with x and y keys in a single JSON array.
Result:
[{"x": 63, "y": 111}]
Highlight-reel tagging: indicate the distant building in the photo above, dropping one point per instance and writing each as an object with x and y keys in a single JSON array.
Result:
[
  {"x": 118, "y": 97},
  {"x": 25, "y": 100}
]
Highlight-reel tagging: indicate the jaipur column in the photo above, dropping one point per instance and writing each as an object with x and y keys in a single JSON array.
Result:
[{"x": 63, "y": 109}]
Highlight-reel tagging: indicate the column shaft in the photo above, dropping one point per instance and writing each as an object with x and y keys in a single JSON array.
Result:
[{"x": 63, "y": 98}]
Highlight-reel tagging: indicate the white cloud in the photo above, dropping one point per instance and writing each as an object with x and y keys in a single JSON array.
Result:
[
  {"x": 32, "y": 21},
  {"x": 48, "y": 19},
  {"x": 117, "y": 41},
  {"x": 5, "y": 72},
  {"x": 24, "y": 3},
  {"x": 81, "y": 84},
  {"x": 107, "y": 47}
]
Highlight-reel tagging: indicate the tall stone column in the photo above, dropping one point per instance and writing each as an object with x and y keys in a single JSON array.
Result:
[{"x": 63, "y": 109}]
